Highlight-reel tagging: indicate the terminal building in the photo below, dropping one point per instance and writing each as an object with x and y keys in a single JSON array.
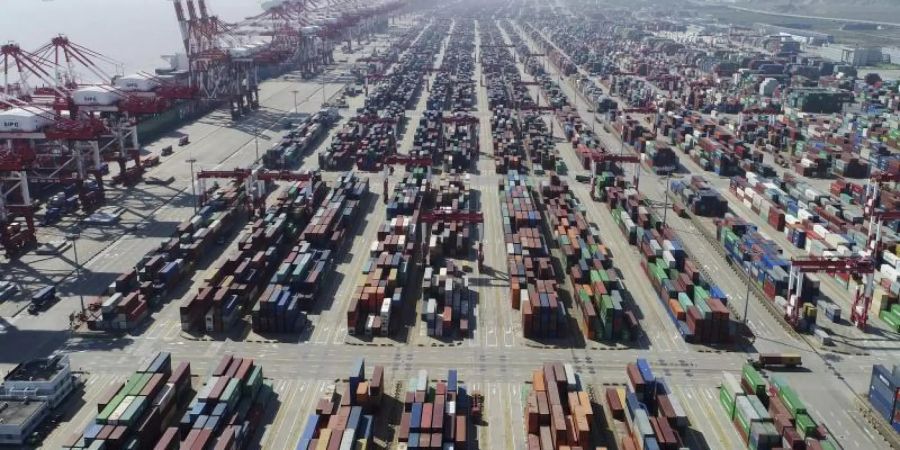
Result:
[{"x": 28, "y": 393}]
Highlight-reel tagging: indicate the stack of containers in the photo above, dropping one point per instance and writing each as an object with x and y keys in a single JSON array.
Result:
[
  {"x": 696, "y": 306},
  {"x": 298, "y": 142},
  {"x": 502, "y": 78},
  {"x": 448, "y": 301},
  {"x": 509, "y": 153},
  {"x": 303, "y": 270},
  {"x": 823, "y": 225},
  {"x": 558, "y": 411},
  {"x": 452, "y": 239},
  {"x": 134, "y": 414},
  {"x": 700, "y": 197},
  {"x": 884, "y": 393},
  {"x": 381, "y": 295},
  {"x": 345, "y": 420},
  {"x": 448, "y": 298},
  {"x": 159, "y": 271},
  {"x": 230, "y": 290},
  {"x": 227, "y": 411},
  {"x": 769, "y": 416},
  {"x": 761, "y": 259},
  {"x": 660, "y": 158},
  {"x": 532, "y": 278},
  {"x": 595, "y": 283},
  {"x": 653, "y": 415},
  {"x": 539, "y": 144},
  {"x": 436, "y": 414},
  {"x": 366, "y": 138}
]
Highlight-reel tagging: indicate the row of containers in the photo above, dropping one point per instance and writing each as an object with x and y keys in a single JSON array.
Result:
[
  {"x": 762, "y": 261},
  {"x": 298, "y": 142},
  {"x": 435, "y": 414},
  {"x": 597, "y": 289},
  {"x": 449, "y": 300},
  {"x": 453, "y": 88},
  {"x": 231, "y": 289},
  {"x": 532, "y": 277},
  {"x": 694, "y": 303},
  {"x": 446, "y": 134},
  {"x": 344, "y": 418},
  {"x": 371, "y": 135},
  {"x": 502, "y": 78},
  {"x": 381, "y": 297},
  {"x": 699, "y": 197},
  {"x": 815, "y": 224},
  {"x": 153, "y": 408},
  {"x": 711, "y": 147},
  {"x": 649, "y": 412},
  {"x": 299, "y": 279},
  {"x": 538, "y": 140},
  {"x": 127, "y": 301},
  {"x": 884, "y": 393},
  {"x": 770, "y": 415},
  {"x": 559, "y": 413},
  {"x": 656, "y": 155}
]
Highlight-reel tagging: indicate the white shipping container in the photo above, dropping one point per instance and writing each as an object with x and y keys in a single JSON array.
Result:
[
  {"x": 890, "y": 259},
  {"x": 110, "y": 303},
  {"x": 888, "y": 272}
]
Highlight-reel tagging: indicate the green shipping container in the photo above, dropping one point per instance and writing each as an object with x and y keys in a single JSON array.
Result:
[
  {"x": 805, "y": 425},
  {"x": 700, "y": 293},
  {"x": 727, "y": 402},
  {"x": 141, "y": 383},
  {"x": 789, "y": 397},
  {"x": 755, "y": 380},
  {"x": 891, "y": 319},
  {"x": 232, "y": 392},
  {"x": 131, "y": 383},
  {"x": 103, "y": 417}
]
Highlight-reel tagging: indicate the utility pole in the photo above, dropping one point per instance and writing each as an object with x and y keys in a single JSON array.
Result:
[
  {"x": 256, "y": 143},
  {"x": 73, "y": 238},
  {"x": 666, "y": 202},
  {"x": 191, "y": 161}
]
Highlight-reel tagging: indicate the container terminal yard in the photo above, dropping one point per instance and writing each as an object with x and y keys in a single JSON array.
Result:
[{"x": 506, "y": 224}]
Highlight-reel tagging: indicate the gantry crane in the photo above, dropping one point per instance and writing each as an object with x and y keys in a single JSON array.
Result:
[
  {"x": 859, "y": 311},
  {"x": 801, "y": 266},
  {"x": 599, "y": 156}
]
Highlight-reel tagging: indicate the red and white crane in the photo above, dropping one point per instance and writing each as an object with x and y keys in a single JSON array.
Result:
[{"x": 859, "y": 311}]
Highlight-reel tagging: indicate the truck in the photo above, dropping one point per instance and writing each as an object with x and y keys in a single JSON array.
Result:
[
  {"x": 41, "y": 299},
  {"x": 786, "y": 360}
]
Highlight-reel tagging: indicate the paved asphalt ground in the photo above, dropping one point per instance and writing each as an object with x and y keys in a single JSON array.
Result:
[{"x": 497, "y": 360}]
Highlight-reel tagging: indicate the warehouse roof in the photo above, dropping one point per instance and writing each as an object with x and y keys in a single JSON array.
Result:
[
  {"x": 36, "y": 370},
  {"x": 16, "y": 412}
]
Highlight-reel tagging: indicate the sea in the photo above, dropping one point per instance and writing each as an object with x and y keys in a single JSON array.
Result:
[{"x": 132, "y": 34}]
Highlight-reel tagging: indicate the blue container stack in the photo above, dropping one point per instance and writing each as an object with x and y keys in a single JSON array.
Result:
[{"x": 884, "y": 393}]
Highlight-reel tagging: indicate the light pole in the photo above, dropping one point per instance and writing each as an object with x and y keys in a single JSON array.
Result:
[
  {"x": 295, "y": 100},
  {"x": 73, "y": 238},
  {"x": 191, "y": 161},
  {"x": 256, "y": 143},
  {"x": 323, "y": 89},
  {"x": 666, "y": 201},
  {"x": 746, "y": 303}
]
